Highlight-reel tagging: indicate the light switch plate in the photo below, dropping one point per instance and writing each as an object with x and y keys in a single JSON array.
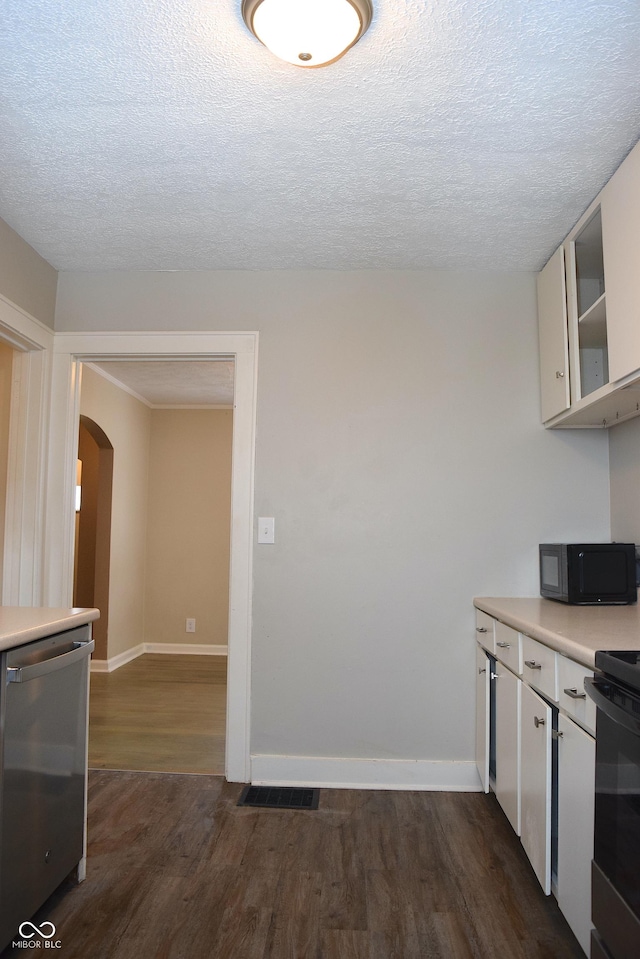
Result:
[{"x": 266, "y": 529}]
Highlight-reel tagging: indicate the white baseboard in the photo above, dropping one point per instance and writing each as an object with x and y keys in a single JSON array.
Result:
[
  {"x": 406, "y": 774},
  {"x": 108, "y": 665},
  {"x": 174, "y": 649},
  {"x": 185, "y": 649}
]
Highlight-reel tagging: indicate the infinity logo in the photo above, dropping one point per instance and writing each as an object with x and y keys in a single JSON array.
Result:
[{"x": 37, "y": 931}]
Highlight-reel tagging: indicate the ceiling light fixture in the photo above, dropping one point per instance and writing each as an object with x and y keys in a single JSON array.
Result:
[{"x": 308, "y": 33}]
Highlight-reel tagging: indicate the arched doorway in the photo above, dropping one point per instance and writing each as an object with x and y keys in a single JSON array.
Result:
[{"x": 93, "y": 527}]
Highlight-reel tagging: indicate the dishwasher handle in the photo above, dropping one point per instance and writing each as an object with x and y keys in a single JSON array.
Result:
[{"x": 24, "y": 674}]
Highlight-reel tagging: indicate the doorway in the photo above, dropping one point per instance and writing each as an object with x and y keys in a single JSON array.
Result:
[
  {"x": 94, "y": 484},
  {"x": 158, "y": 686},
  {"x": 73, "y": 349}
]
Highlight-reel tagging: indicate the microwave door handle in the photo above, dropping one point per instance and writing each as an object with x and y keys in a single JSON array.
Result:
[{"x": 615, "y": 713}]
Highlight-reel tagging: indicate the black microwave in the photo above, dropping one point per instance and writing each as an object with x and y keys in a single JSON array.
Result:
[{"x": 588, "y": 574}]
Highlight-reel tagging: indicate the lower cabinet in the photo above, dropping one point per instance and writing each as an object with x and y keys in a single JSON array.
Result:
[
  {"x": 507, "y": 785},
  {"x": 483, "y": 716},
  {"x": 536, "y": 723},
  {"x": 541, "y": 766},
  {"x": 576, "y": 789}
]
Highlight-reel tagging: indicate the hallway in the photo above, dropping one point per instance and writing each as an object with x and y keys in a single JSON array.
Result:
[{"x": 160, "y": 713}]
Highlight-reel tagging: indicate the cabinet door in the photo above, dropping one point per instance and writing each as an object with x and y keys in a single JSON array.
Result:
[
  {"x": 552, "y": 332},
  {"x": 620, "y": 204},
  {"x": 576, "y": 790},
  {"x": 535, "y": 783},
  {"x": 483, "y": 746},
  {"x": 508, "y": 744}
]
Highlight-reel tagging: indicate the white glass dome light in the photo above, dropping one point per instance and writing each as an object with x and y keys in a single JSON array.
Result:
[{"x": 307, "y": 33}]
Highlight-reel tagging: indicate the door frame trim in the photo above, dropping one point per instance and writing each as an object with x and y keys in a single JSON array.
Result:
[
  {"x": 70, "y": 350},
  {"x": 23, "y": 547}
]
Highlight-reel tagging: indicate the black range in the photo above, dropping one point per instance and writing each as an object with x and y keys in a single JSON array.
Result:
[{"x": 616, "y": 865}]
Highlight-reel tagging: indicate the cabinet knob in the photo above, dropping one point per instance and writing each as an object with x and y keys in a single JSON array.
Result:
[
  {"x": 480, "y": 670},
  {"x": 495, "y": 675},
  {"x": 481, "y": 629},
  {"x": 559, "y": 374},
  {"x": 531, "y": 663},
  {"x": 504, "y": 645},
  {"x": 538, "y": 722}
]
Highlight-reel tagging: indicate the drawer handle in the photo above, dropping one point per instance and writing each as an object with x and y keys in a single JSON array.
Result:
[
  {"x": 480, "y": 670},
  {"x": 495, "y": 675},
  {"x": 481, "y": 629},
  {"x": 531, "y": 663},
  {"x": 574, "y": 694},
  {"x": 504, "y": 645},
  {"x": 538, "y": 722}
]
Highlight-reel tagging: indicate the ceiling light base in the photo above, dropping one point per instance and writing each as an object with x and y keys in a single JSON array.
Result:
[{"x": 308, "y": 33}]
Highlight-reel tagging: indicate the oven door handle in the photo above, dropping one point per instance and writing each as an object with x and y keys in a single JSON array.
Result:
[{"x": 614, "y": 712}]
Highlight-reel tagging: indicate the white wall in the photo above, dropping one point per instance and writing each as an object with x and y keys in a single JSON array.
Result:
[
  {"x": 624, "y": 447},
  {"x": 400, "y": 451},
  {"x": 25, "y": 278},
  {"x": 189, "y": 517}
]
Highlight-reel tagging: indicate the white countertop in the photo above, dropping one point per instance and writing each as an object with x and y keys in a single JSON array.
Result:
[
  {"x": 23, "y": 624},
  {"x": 576, "y": 631}
]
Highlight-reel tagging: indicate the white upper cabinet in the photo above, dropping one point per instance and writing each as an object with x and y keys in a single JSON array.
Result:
[
  {"x": 552, "y": 330},
  {"x": 589, "y": 311},
  {"x": 587, "y": 306},
  {"x": 620, "y": 204}
]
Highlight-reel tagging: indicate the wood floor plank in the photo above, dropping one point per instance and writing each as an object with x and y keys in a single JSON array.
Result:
[
  {"x": 344, "y": 903},
  {"x": 295, "y": 922},
  {"x": 176, "y": 870},
  {"x": 344, "y": 944},
  {"x": 454, "y": 937}
]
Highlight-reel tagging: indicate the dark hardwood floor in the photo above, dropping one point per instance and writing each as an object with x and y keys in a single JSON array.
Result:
[{"x": 176, "y": 869}]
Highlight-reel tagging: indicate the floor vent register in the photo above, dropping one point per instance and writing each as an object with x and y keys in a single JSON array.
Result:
[{"x": 279, "y": 797}]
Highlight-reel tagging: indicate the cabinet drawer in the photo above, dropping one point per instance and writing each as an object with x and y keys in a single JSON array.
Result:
[
  {"x": 508, "y": 647},
  {"x": 572, "y": 696},
  {"x": 540, "y": 667},
  {"x": 484, "y": 630}
]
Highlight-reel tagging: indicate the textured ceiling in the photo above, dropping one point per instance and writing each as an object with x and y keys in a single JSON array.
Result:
[
  {"x": 161, "y": 135},
  {"x": 174, "y": 383}
]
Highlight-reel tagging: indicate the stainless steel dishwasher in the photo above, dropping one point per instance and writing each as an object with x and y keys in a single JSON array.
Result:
[{"x": 43, "y": 751}]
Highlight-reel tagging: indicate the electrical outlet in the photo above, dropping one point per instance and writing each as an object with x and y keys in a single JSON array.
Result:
[{"x": 191, "y": 626}]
